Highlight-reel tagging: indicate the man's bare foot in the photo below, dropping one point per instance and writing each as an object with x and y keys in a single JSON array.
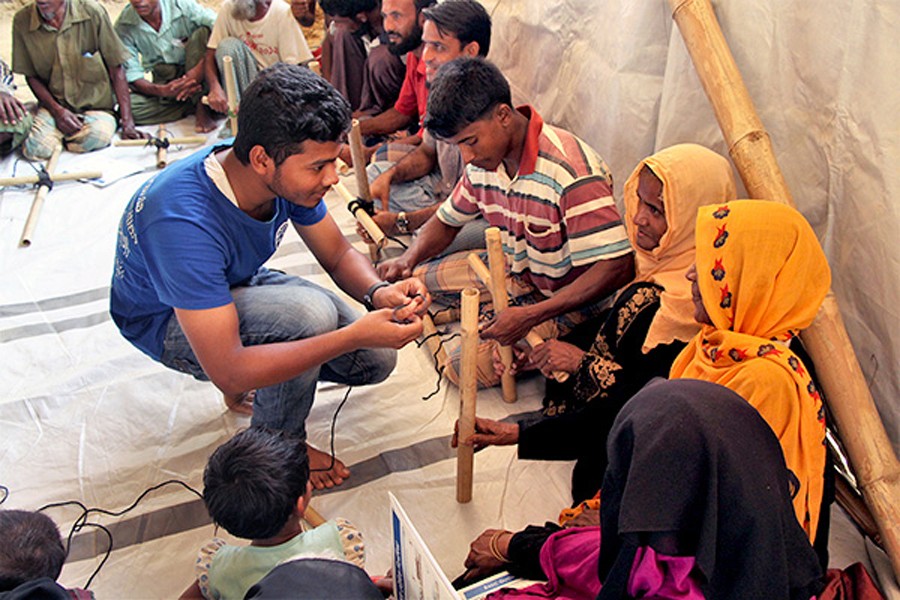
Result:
[
  {"x": 334, "y": 475},
  {"x": 241, "y": 403},
  {"x": 203, "y": 120}
]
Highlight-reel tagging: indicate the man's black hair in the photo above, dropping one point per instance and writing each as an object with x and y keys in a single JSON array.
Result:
[
  {"x": 463, "y": 91},
  {"x": 30, "y": 548},
  {"x": 252, "y": 482},
  {"x": 347, "y": 8},
  {"x": 285, "y": 106},
  {"x": 466, "y": 20}
]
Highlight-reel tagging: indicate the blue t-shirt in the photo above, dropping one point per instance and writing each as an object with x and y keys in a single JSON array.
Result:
[{"x": 183, "y": 244}]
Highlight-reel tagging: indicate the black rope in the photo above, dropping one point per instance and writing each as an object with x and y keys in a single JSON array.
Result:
[
  {"x": 43, "y": 178},
  {"x": 159, "y": 143},
  {"x": 82, "y": 521}
]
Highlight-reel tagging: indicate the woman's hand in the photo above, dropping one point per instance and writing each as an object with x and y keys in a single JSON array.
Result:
[
  {"x": 488, "y": 433},
  {"x": 554, "y": 355}
]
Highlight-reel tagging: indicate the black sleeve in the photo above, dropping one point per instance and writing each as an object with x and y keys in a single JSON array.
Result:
[{"x": 525, "y": 550}]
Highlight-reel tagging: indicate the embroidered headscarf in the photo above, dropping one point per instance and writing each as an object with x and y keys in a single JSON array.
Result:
[
  {"x": 692, "y": 176},
  {"x": 762, "y": 276}
]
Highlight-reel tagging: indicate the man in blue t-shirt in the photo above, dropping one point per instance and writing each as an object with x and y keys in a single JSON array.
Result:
[{"x": 189, "y": 288}]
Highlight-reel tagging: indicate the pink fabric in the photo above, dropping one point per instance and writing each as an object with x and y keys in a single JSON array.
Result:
[
  {"x": 569, "y": 559},
  {"x": 660, "y": 577}
]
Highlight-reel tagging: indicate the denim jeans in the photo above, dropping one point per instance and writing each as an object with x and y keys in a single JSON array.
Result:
[{"x": 275, "y": 307}]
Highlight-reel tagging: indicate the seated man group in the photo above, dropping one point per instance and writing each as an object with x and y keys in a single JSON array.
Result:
[{"x": 90, "y": 78}]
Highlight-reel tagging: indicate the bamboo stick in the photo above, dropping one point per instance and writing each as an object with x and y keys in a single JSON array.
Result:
[
  {"x": 231, "y": 93},
  {"x": 357, "y": 155},
  {"x": 497, "y": 267},
  {"x": 161, "y": 142},
  {"x": 371, "y": 227},
  {"x": 868, "y": 446},
  {"x": 313, "y": 517},
  {"x": 54, "y": 177},
  {"x": 533, "y": 338},
  {"x": 468, "y": 391},
  {"x": 38, "y": 203}
]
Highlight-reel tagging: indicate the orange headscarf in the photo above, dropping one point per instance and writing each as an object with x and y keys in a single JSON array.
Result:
[
  {"x": 692, "y": 176},
  {"x": 762, "y": 276}
]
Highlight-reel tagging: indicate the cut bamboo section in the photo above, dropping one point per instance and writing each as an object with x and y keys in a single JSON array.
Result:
[
  {"x": 38, "y": 203},
  {"x": 468, "y": 392},
  {"x": 497, "y": 267},
  {"x": 868, "y": 446},
  {"x": 231, "y": 93}
]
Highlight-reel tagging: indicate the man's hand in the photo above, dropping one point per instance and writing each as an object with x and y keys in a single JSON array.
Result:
[
  {"x": 487, "y": 433},
  {"x": 11, "y": 109},
  {"x": 481, "y": 561},
  {"x": 217, "y": 101},
  {"x": 181, "y": 88},
  {"x": 520, "y": 363},
  {"x": 380, "y": 329},
  {"x": 509, "y": 326},
  {"x": 67, "y": 121},
  {"x": 406, "y": 297},
  {"x": 554, "y": 355},
  {"x": 393, "y": 269},
  {"x": 380, "y": 188},
  {"x": 129, "y": 132}
]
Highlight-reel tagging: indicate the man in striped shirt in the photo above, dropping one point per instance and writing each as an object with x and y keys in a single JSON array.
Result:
[{"x": 548, "y": 192}]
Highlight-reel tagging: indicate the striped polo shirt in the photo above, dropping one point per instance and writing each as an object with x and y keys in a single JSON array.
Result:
[{"x": 557, "y": 216}]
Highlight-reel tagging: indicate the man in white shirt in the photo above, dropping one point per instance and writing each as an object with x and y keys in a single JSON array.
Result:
[{"x": 256, "y": 34}]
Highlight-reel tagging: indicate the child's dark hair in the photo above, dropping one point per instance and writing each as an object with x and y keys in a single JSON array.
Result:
[
  {"x": 347, "y": 8},
  {"x": 30, "y": 548},
  {"x": 466, "y": 20},
  {"x": 464, "y": 90},
  {"x": 253, "y": 481},
  {"x": 285, "y": 106}
]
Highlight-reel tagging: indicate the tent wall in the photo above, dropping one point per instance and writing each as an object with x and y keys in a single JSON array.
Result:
[{"x": 822, "y": 76}]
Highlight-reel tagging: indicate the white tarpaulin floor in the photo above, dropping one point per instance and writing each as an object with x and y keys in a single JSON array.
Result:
[{"x": 87, "y": 417}]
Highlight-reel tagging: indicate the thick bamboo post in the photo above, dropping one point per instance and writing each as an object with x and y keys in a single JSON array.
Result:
[
  {"x": 371, "y": 227},
  {"x": 497, "y": 266},
  {"x": 533, "y": 339},
  {"x": 38, "y": 203},
  {"x": 358, "y": 156},
  {"x": 231, "y": 93},
  {"x": 871, "y": 454},
  {"x": 468, "y": 391}
]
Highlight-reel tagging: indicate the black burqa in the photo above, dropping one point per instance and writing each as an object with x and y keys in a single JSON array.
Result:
[{"x": 695, "y": 471}]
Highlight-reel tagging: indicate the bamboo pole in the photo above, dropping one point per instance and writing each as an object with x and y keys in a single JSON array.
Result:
[
  {"x": 497, "y": 267},
  {"x": 312, "y": 516},
  {"x": 161, "y": 142},
  {"x": 533, "y": 339},
  {"x": 353, "y": 205},
  {"x": 357, "y": 155},
  {"x": 54, "y": 177},
  {"x": 468, "y": 391},
  {"x": 868, "y": 446},
  {"x": 38, "y": 203},
  {"x": 231, "y": 93}
]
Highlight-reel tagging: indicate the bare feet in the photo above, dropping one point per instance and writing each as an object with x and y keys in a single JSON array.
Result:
[
  {"x": 334, "y": 475},
  {"x": 203, "y": 120},
  {"x": 241, "y": 403}
]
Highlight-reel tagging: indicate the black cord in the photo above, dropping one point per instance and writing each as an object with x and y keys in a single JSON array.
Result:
[
  {"x": 4, "y": 493},
  {"x": 334, "y": 417},
  {"x": 81, "y": 522}
]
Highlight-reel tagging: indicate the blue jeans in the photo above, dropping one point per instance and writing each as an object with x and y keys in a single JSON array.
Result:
[{"x": 274, "y": 307}]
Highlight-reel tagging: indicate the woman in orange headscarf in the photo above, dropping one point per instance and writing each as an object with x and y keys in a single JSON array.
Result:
[{"x": 760, "y": 277}]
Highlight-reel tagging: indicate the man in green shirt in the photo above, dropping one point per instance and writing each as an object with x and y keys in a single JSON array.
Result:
[
  {"x": 167, "y": 38},
  {"x": 72, "y": 60}
]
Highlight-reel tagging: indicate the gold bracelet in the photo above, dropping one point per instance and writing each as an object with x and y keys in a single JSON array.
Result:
[{"x": 495, "y": 550}]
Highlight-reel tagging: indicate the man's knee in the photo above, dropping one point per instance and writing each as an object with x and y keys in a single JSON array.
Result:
[
  {"x": 97, "y": 133},
  {"x": 384, "y": 361},
  {"x": 278, "y": 313}
]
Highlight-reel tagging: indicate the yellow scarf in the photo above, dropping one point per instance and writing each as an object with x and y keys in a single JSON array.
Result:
[
  {"x": 762, "y": 276},
  {"x": 692, "y": 176}
]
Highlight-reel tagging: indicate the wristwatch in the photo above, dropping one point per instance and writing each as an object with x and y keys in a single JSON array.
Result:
[
  {"x": 368, "y": 299},
  {"x": 402, "y": 222}
]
